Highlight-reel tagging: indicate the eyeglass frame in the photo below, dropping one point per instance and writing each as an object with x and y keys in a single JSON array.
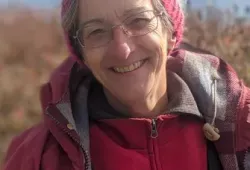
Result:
[{"x": 159, "y": 14}]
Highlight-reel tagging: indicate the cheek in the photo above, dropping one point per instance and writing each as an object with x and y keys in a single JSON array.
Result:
[
  {"x": 93, "y": 60},
  {"x": 156, "y": 44},
  {"x": 162, "y": 42}
]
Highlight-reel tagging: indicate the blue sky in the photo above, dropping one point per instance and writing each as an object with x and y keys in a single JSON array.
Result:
[
  {"x": 224, "y": 4},
  {"x": 195, "y": 3},
  {"x": 33, "y": 3}
]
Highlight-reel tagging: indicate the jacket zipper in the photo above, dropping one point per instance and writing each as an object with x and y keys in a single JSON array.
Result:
[
  {"x": 154, "y": 132},
  {"x": 85, "y": 153},
  {"x": 154, "y": 135}
]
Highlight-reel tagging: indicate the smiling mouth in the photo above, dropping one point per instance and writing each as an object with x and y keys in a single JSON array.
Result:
[{"x": 129, "y": 68}]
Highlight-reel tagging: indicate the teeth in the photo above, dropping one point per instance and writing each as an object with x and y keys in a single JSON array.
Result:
[{"x": 129, "y": 68}]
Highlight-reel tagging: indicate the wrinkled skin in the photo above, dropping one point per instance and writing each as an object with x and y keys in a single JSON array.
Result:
[{"x": 139, "y": 93}]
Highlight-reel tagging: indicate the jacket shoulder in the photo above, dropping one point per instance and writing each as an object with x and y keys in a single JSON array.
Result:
[
  {"x": 244, "y": 120},
  {"x": 193, "y": 61},
  {"x": 26, "y": 148},
  {"x": 243, "y": 130}
]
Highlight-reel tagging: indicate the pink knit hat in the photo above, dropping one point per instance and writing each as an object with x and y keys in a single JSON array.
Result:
[{"x": 172, "y": 7}]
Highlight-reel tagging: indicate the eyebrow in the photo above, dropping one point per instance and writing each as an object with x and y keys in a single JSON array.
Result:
[
  {"x": 134, "y": 10},
  {"x": 96, "y": 20},
  {"x": 125, "y": 13}
]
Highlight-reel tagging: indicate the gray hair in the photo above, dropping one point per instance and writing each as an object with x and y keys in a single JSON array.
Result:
[
  {"x": 70, "y": 21},
  {"x": 70, "y": 18}
]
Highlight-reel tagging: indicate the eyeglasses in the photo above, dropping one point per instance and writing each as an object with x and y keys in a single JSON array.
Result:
[{"x": 99, "y": 34}]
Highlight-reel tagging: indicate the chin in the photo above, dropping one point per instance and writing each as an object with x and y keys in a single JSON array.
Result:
[{"x": 133, "y": 96}]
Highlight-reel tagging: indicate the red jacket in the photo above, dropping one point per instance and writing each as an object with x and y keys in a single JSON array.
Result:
[{"x": 59, "y": 142}]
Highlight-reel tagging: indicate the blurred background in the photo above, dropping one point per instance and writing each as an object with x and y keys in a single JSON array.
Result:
[{"x": 31, "y": 45}]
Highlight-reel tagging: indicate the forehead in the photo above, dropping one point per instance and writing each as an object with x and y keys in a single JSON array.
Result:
[{"x": 110, "y": 9}]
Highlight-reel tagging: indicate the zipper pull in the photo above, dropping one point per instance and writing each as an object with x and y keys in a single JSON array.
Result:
[{"x": 154, "y": 133}]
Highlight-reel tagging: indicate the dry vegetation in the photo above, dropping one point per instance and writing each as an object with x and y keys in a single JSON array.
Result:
[{"x": 31, "y": 45}]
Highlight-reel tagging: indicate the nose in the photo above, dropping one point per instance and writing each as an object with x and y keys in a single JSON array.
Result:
[{"x": 121, "y": 45}]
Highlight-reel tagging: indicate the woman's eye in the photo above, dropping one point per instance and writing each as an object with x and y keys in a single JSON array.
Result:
[
  {"x": 96, "y": 32},
  {"x": 139, "y": 22}
]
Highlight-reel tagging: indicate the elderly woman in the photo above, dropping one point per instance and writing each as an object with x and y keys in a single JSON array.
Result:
[{"x": 131, "y": 98}]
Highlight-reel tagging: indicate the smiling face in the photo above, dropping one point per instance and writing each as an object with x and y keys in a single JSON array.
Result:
[{"x": 132, "y": 69}]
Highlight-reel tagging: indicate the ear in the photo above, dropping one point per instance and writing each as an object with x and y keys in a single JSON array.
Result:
[{"x": 171, "y": 44}]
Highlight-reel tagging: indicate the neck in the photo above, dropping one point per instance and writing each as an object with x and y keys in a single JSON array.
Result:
[{"x": 154, "y": 104}]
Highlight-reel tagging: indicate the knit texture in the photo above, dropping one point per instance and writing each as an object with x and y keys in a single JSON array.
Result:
[{"x": 172, "y": 7}]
